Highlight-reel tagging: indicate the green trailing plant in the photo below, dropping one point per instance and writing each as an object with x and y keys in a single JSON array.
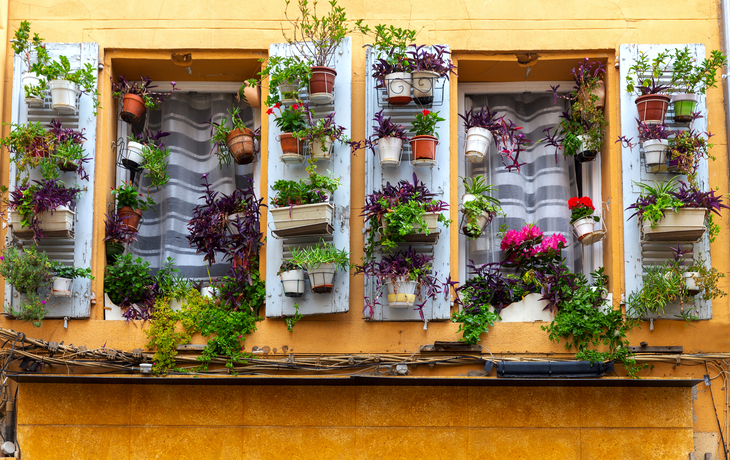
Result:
[
  {"x": 30, "y": 272},
  {"x": 707, "y": 278},
  {"x": 25, "y": 47},
  {"x": 220, "y": 131},
  {"x": 687, "y": 148},
  {"x": 64, "y": 271},
  {"x": 475, "y": 323},
  {"x": 155, "y": 164},
  {"x": 128, "y": 281},
  {"x": 292, "y": 320},
  {"x": 312, "y": 257},
  {"x": 482, "y": 203},
  {"x": 28, "y": 143},
  {"x": 285, "y": 70},
  {"x": 688, "y": 77}
]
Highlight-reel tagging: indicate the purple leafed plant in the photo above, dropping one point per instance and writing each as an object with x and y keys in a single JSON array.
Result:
[
  {"x": 378, "y": 203},
  {"x": 142, "y": 89},
  {"x": 484, "y": 118},
  {"x": 692, "y": 197},
  {"x": 488, "y": 286},
  {"x": 30, "y": 200},
  {"x": 65, "y": 136},
  {"x": 117, "y": 231},
  {"x": 148, "y": 137},
  {"x": 435, "y": 61},
  {"x": 653, "y": 131},
  {"x": 512, "y": 141},
  {"x": 383, "y": 127}
]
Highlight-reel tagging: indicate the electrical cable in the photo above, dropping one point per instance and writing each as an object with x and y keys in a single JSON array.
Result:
[{"x": 719, "y": 428}]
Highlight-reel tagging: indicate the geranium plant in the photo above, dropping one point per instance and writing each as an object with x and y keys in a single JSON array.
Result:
[
  {"x": 291, "y": 119},
  {"x": 581, "y": 208},
  {"x": 425, "y": 123},
  {"x": 127, "y": 195}
]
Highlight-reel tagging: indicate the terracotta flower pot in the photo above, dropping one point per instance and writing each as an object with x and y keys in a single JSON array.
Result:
[
  {"x": 322, "y": 85},
  {"x": 290, "y": 144},
  {"x": 130, "y": 217},
  {"x": 424, "y": 147},
  {"x": 241, "y": 145},
  {"x": 600, "y": 91},
  {"x": 132, "y": 108},
  {"x": 252, "y": 96},
  {"x": 652, "y": 107}
]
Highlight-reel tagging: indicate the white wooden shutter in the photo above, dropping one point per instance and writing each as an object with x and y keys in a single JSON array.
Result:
[
  {"x": 436, "y": 178},
  {"x": 277, "y": 249},
  {"x": 76, "y": 251},
  {"x": 638, "y": 254}
]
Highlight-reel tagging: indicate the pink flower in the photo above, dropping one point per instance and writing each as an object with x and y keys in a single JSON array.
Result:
[{"x": 43, "y": 302}]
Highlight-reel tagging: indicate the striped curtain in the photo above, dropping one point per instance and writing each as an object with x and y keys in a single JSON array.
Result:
[
  {"x": 540, "y": 191},
  {"x": 164, "y": 232}
]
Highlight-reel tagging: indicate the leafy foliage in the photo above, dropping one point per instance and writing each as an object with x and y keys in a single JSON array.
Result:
[
  {"x": 29, "y": 272},
  {"x": 425, "y": 123},
  {"x": 689, "y": 77},
  {"x": 143, "y": 89}
]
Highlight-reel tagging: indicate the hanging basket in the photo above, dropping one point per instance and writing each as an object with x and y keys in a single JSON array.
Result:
[
  {"x": 585, "y": 230},
  {"x": 655, "y": 153},
  {"x": 133, "y": 160},
  {"x": 423, "y": 84},
  {"x": 32, "y": 79},
  {"x": 401, "y": 292},
  {"x": 130, "y": 217},
  {"x": 389, "y": 150},
  {"x": 113, "y": 250},
  {"x": 424, "y": 150},
  {"x": 63, "y": 96},
  {"x": 252, "y": 95},
  {"x": 240, "y": 143},
  {"x": 684, "y": 105},
  {"x": 478, "y": 141},
  {"x": 652, "y": 108},
  {"x": 322, "y": 278},
  {"x": 583, "y": 155},
  {"x": 132, "y": 108},
  {"x": 321, "y": 150},
  {"x": 322, "y": 85},
  {"x": 293, "y": 282},
  {"x": 398, "y": 85}
]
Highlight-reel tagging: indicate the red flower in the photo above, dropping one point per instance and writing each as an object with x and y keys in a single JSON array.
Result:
[
  {"x": 277, "y": 105},
  {"x": 586, "y": 201},
  {"x": 572, "y": 202},
  {"x": 270, "y": 111},
  {"x": 295, "y": 107},
  {"x": 425, "y": 113}
]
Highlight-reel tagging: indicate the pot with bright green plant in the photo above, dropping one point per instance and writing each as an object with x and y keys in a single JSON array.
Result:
[
  {"x": 286, "y": 75},
  {"x": 65, "y": 83},
  {"x": 425, "y": 141},
  {"x": 321, "y": 262},
  {"x": 30, "y": 273},
  {"x": 63, "y": 277},
  {"x": 301, "y": 204},
  {"x": 478, "y": 206},
  {"x": 130, "y": 204},
  {"x": 690, "y": 80},
  {"x": 643, "y": 79},
  {"x": 292, "y": 123},
  {"x": 29, "y": 50},
  {"x": 292, "y": 278}
]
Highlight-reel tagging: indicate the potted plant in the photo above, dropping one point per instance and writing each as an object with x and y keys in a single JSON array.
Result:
[
  {"x": 581, "y": 216},
  {"x": 321, "y": 262},
  {"x": 478, "y": 206},
  {"x": 671, "y": 210},
  {"x": 28, "y": 144},
  {"x": 654, "y": 142},
  {"x": 130, "y": 204},
  {"x": 45, "y": 205},
  {"x": 30, "y": 272},
  {"x": 389, "y": 138},
  {"x": 250, "y": 93},
  {"x": 235, "y": 142},
  {"x": 425, "y": 141},
  {"x": 137, "y": 97},
  {"x": 291, "y": 120},
  {"x": 133, "y": 160},
  {"x": 689, "y": 80},
  {"x": 428, "y": 65},
  {"x": 63, "y": 276},
  {"x": 292, "y": 278},
  {"x": 64, "y": 84},
  {"x": 69, "y": 154},
  {"x": 129, "y": 285},
  {"x": 391, "y": 44},
  {"x": 154, "y": 159},
  {"x": 321, "y": 134},
  {"x": 481, "y": 128},
  {"x": 701, "y": 279},
  {"x": 116, "y": 234},
  {"x": 686, "y": 149},
  {"x": 643, "y": 79},
  {"x": 316, "y": 38},
  {"x": 286, "y": 75},
  {"x": 299, "y": 203},
  {"x": 25, "y": 47}
]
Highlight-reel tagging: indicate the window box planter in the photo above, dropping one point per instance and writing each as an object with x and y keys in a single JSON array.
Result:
[
  {"x": 322, "y": 85},
  {"x": 31, "y": 79},
  {"x": 61, "y": 287},
  {"x": 652, "y": 107},
  {"x": 401, "y": 292},
  {"x": 306, "y": 214},
  {"x": 684, "y": 105},
  {"x": 58, "y": 223},
  {"x": 655, "y": 151},
  {"x": 130, "y": 217},
  {"x": 132, "y": 108},
  {"x": 240, "y": 142},
  {"x": 686, "y": 223},
  {"x": 431, "y": 218},
  {"x": 398, "y": 85},
  {"x": 63, "y": 96},
  {"x": 322, "y": 278},
  {"x": 478, "y": 141},
  {"x": 293, "y": 282},
  {"x": 423, "y": 85}
]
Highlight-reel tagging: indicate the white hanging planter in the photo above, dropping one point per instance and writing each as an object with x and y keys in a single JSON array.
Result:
[
  {"x": 31, "y": 79},
  {"x": 322, "y": 278},
  {"x": 63, "y": 96},
  {"x": 401, "y": 292},
  {"x": 321, "y": 150},
  {"x": 584, "y": 154},
  {"x": 655, "y": 151},
  {"x": 691, "y": 282},
  {"x": 423, "y": 84},
  {"x": 134, "y": 155},
  {"x": 398, "y": 85},
  {"x": 297, "y": 216},
  {"x": 293, "y": 282},
  {"x": 287, "y": 90},
  {"x": 389, "y": 150},
  {"x": 478, "y": 141},
  {"x": 61, "y": 287},
  {"x": 685, "y": 223},
  {"x": 584, "y": 227}
]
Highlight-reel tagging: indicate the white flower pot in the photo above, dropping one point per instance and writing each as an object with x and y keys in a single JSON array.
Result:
[
  {"x": 176, "y": 305},
  {"x": 232, "y": 222},
  {"x": 293, "y": 282},
  {"x": 584, "y": 154},
  {"x": 289, "y": 88},
  {"x": 320, "y": 151},
  {"x": 31, "y": 79},
  {"x": 478, "y": 141},
  {"x": 398, "y": 85},
  {"x": 389, "y": 149},
  {"x": 401, "y": 292},
  {"x": 423, "y": 84},
  {"x": 134, "y": 155},
  {"x": 63, "y": 96},
  {"x": 322, "y": 278},
  {"x": 58, "y": 223},
  {"x": 209, "y": 291},
  {"x": 61, "y": 287},
  {"x": 655, "y": 151},
  {"x": 584, "y": 227},
  {"x": 690, "y": 281},
  {"x": 681, "y": 222},
  {"x": 297, "y": 216}
]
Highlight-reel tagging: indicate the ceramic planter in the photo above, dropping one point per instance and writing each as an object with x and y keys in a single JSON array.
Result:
[
  {"x": 401, "y": 292},
  {"x": 209, "y": 291},
  {"x": 482, "y": 220},
  {"x": 583, "y": 155},
  {"x": 31, "y": 79},
  {"x": 63, "y": 96},
  {"x": 59, "y": 222},
  {"x": 132, "y": 108},
  {"x": 134, "y": 159},
  {"x": 478, "y": 141},
  {"x": 423, "y": 85},
  {"x": 322, "y": 278},
  {"x": 691, "y": 283},
  {"x": 293, "y": 282},
  {"x": 306, "y": 214},
  {"x": 61, "y": 287},
  {"x": 584, "y": 227},
  {"x": 398, "y": 85},
  {"x": 684, "y": 105},
  {"x": 322, "y": 85},
  {"x": 130, "y": 217},
  {"x": 652, "y": 108},
  {"x": 176, "y": 305},
  {"x": 292, "y": 149},
  {"x": 677, "y": 224},
  {"x": 389, "y": 150},
  {"x": 289, "y": 92},
  {"x": 600, "y": 93},
  {"x": 321, "y": 150},
  {"x": 424, "y": 148},
  {"x": 113, "y": 250},
  {"x": 240, "y": 143},
  {"x": 655, "y": 151}
]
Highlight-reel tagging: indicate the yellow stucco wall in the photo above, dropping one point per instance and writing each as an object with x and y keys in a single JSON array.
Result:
[{"x": 473, "y": 30}]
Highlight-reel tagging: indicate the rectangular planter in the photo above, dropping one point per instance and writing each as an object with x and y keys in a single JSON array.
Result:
[
  {"x": 56, "y": 224},
  {"x": 686, "y": 223},
  {"x": 303, "y": 215}
]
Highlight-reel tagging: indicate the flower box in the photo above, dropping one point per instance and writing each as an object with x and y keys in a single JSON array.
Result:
[
  {"x": 685, "y": 224},
  {"x": 298, "y": 216},
  {"x": 59, "y": 223}
]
